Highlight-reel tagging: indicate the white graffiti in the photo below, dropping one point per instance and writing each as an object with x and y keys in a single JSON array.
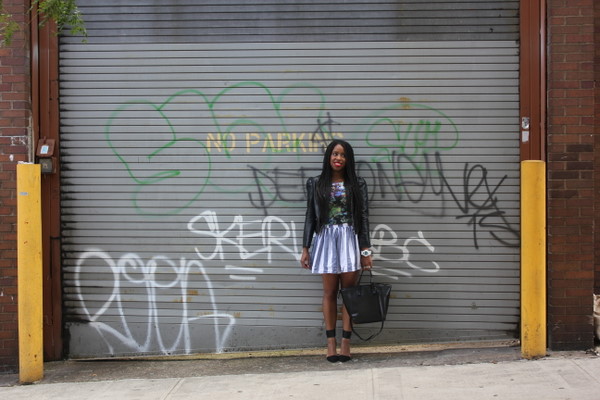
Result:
[
  {"x": 131, "y": 270},
  {"x": 112, "y": 317},
  {"x": 243, "y": 270},
  {"x": 385, "y": 241},
  {"x": 272, "y": 231}
]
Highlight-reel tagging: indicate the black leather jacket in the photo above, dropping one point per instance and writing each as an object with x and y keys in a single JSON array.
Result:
[{"x": 312, "y": 222}]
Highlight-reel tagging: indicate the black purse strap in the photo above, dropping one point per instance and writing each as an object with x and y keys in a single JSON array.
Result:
[
  {"x": 375, "y": 334},
  {"x": 362, "y": 271}
]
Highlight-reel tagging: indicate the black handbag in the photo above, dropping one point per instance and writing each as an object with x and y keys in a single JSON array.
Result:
[{"x": 367, "y": 303}]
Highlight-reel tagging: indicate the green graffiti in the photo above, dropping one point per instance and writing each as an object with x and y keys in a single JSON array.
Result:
[
  {"x": 388, "y": 132},
  {"x": 151, "y": 167},
  {"x": 171, "y": 163},
  {"x": 396, "y": 135}
]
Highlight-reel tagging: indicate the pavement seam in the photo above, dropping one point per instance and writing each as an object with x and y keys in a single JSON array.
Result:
[
  {"x": 374, "y": 395},
  {"x": 595, "y": 378},
  {"x": 175, "y": 387}
]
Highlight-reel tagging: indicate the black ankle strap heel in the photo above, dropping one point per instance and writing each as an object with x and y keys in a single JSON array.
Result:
[
  {"x": 331, "y": 334},
  {"x": 345, "y": 335}
]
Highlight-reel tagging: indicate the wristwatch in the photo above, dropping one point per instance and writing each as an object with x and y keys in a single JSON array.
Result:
[{"x": 366, "y": 253}]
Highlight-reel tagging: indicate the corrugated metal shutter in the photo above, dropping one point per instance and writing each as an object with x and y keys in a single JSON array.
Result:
[{"x": 187, "y": 134}]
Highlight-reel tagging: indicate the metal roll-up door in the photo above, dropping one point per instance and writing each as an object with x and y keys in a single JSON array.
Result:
[{"x": 187, "y": 135}]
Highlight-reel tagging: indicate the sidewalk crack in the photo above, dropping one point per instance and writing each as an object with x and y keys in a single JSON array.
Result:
[
  {"x": 595, "y": 378},
  {"x": 173, "y": 389}
]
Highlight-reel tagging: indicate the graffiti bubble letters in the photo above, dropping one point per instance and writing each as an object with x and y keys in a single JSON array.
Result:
[
  {"x": 131, "y": 274},
  {"x": 249, "y": 238},
  {"x": 411, "y": 128}
]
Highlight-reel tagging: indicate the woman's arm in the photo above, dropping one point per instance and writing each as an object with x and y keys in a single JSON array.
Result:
[
  {"x": 364, "y": 238},
  {"x": 310, "y": 216}
]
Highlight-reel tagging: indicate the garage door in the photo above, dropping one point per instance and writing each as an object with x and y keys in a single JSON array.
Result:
[{"x": 188, "y": 132}]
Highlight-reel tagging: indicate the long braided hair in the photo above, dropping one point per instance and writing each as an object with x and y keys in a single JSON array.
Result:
[{"x": 350, "y": 183}]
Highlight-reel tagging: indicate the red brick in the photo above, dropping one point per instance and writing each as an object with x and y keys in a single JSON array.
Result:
[{"x": 573, "y": 120}]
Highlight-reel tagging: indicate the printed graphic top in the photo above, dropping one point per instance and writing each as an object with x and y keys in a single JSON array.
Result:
[{"x": 338, "y": 205}]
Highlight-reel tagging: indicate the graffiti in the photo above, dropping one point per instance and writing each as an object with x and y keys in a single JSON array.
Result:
[
  {"x": 147, "y": 283},
  {"x": 131, "y": 272},
  {"x": 277, "y": 185},
  {"x": 388, "y": 132},
  {"x": 403, "y": 135},
  {"x": 173, "y": 148},
  {"x": 475, "y": 197},
  {"x": 275, "y": 234},
  {"x": 245, "y": 271},
  {"x": 193, "y": 150},
  {"x": 385, "y": 241},
  {"x": 272, "y": 232},
  {"x": 161, "y": 166},
  {"x": 324, "y": 133},
  {"x": 225, "y": 127}
]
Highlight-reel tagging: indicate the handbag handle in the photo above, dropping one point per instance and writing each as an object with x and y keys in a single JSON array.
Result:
[{"x": 362, "y": 271}]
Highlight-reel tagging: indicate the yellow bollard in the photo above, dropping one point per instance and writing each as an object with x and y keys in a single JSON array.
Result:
[
  {"x": 533, "y": 259},
  {"x": 29, "y": 253}
]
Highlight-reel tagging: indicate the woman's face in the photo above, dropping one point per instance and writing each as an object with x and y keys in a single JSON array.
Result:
[{"x": 338, "y": 158}]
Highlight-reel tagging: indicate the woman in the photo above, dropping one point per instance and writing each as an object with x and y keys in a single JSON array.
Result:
[{"x": 338, "y": 217}]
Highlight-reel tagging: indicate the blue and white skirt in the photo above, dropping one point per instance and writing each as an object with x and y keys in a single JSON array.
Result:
[{"x": 335, "y": 250}]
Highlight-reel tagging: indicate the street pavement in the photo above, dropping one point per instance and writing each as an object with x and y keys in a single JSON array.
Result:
[{"x": 404, "y": 373}]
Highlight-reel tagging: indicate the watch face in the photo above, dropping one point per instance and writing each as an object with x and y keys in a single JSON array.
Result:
[{"x": 365, "y": 253}]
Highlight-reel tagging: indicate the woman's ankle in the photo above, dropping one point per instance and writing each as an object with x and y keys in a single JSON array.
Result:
[
  {"x": 345, "y": 346},
  {"x": 331, "y": 342}
]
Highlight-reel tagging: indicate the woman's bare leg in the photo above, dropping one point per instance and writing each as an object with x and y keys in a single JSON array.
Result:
[
  {"x": 347, "y": 279},
  {"x": 331, "y": 284}
]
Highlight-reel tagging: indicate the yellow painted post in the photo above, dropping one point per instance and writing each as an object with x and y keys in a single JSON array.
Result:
[
  {"x": 29, "y": 280},
  {"x": 533, "y": 259}
]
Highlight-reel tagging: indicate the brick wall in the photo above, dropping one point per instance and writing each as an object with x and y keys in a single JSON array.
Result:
[
  {"x": 571, "y": 173},
  {"x": 15, "y": 109},
  {"x": 597, "y": 139}
]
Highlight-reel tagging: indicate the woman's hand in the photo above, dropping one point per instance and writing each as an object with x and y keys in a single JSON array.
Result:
[
  {"x": 305, "y": 258},
  {"x": 366, "y": 262}
]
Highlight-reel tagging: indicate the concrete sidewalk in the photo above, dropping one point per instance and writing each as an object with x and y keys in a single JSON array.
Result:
[{"x": 490, "y": 374}]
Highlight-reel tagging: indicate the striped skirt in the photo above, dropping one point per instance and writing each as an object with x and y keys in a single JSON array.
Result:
[{"x": 335, "y": 250}]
